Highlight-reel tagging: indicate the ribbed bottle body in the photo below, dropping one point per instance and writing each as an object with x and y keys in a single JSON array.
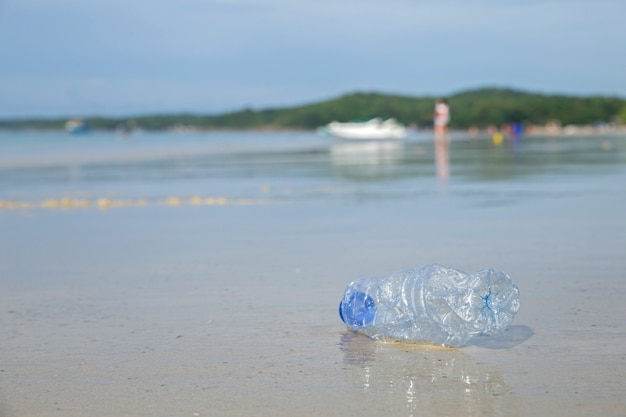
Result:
[{"x": 433, "y": 304}]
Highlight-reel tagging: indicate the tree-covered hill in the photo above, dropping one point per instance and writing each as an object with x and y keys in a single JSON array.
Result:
[
  {"x": 493, "y": 106},
  {"x": 497, "y": 106}
]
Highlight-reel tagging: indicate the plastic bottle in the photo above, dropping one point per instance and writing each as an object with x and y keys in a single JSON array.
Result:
[{"x": 434, "y": 304}]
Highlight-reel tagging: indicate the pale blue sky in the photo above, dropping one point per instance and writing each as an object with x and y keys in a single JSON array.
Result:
[{"x": 129, "y": 57}]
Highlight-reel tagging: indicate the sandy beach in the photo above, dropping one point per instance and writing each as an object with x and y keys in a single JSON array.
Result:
[{"x": 231, "y": 310}]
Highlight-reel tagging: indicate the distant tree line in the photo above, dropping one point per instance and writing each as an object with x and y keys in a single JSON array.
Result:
[{"x": 480, "y": 108}]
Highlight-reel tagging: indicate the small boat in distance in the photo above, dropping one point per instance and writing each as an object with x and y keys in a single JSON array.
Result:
[
  {"x": 372, "y": 129},
  {"x": 76, "y": 126}
]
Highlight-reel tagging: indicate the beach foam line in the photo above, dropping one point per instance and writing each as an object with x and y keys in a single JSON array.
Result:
[{"x": 103, "y": 203}]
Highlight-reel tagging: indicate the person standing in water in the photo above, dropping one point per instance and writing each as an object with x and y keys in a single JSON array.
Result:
[{"x": 441, "y": 117}]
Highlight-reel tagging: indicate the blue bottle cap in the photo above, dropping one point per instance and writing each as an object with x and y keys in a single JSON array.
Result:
[{"x": 358, "y": 310}]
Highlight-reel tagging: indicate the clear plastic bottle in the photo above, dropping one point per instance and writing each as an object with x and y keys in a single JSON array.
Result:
[{"x": 434, "y": 304}]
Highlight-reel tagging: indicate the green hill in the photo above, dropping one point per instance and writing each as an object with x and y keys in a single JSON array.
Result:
[
  {"x": 470, "y": 108},
  {"x": 497, "y": 106}
]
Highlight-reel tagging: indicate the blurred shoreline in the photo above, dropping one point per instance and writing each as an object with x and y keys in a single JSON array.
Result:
[
  {"x": 551, "y": 129},
  {"x": 169, "y": 273}
]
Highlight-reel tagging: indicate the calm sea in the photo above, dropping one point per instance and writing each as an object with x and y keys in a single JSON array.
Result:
[{"x": 292, "y": 167}]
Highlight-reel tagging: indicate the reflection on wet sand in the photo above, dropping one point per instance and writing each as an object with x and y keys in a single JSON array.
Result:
[
  {"x": 416, "y": 378},
  {"x": 442, "y": 157},
  {"x": 366, "y": 152}
]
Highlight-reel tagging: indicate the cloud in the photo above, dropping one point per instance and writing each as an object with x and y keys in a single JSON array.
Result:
[{"x": 287, "y": 51}]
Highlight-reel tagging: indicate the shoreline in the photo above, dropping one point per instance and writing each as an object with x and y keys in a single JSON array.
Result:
[
  {"x": 532, "y": 131},
  {"x": 181, "y": 326},
  {"x": 193, "y": 305}
]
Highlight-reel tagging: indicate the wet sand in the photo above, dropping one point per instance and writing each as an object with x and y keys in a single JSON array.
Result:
[{"x": 232, "y": 310}]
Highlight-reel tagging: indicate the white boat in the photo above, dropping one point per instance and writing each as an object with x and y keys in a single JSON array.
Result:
[
  {"x": 76, "y": 126},
  {"x": 371, "y": 129}
]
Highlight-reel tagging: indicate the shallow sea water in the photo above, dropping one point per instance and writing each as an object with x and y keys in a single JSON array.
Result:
[{"x": 199, "y": 273}]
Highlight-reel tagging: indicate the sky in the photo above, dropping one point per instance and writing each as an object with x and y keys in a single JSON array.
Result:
[{"x": 76, "y": 58}]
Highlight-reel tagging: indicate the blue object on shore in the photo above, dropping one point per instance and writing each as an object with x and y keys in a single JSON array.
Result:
[
  {"x": 434, "y": 304},
  {"x": 361, "y": 309}
]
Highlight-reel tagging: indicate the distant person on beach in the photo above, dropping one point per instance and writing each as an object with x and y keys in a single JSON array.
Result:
[{"x": 441, "y": 117}]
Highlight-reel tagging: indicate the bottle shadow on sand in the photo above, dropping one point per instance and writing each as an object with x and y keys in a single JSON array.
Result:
[{"x": 513, "y": 336}]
